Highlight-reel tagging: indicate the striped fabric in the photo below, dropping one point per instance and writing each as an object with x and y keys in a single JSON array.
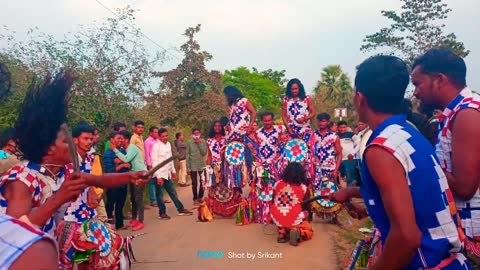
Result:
[
  {"x": 16, "y": 237},
  {"x": 432, "y": 200},
  {"x": 469, "y": 210}
]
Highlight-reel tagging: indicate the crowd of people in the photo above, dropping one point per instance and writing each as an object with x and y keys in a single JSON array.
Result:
[{"x": 424, "y": 200}]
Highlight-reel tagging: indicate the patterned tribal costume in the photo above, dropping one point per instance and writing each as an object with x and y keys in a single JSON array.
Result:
[
  {"x": 266, "y": 173},
  {"x": 39, "y": 183},
  {"x": 440, "y": 243},
  {"x": 15, "y": 237},
  {"x": 324, "y": 151},
  {"x": 469, "y": 210},
  {"x": 220, "y": 198},
  {"x": 239, "y": 120},
  {"x": 297, "y": 108}
]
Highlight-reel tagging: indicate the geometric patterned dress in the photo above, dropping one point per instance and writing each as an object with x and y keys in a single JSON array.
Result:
[
  {"x": 297, "y": 108},
  {"x": 441, "y": 242}
]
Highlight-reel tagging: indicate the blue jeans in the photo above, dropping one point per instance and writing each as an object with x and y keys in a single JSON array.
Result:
[
  {"x": 151, "y": 190},
  {"x": 348, "y": 170},
  {"x": 170, "y": 188}
]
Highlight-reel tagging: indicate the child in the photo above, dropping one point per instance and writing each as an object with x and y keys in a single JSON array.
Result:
[{"x": 286, "y": 208}]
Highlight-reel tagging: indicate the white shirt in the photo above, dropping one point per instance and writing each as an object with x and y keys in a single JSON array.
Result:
[
  {"x": 350, "y": 146},
  {"x": 160, "y": 152},
  {"x": 363, "y": 135}
]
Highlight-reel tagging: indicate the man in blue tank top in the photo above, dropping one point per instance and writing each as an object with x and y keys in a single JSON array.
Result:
[{"x": 404, "y": 188}]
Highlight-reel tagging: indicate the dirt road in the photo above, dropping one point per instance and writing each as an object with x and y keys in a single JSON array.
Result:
[{"x": 179, "y": 244}]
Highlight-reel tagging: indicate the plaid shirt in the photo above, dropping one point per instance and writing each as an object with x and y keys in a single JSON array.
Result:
[{"x": 16, "y": 237}]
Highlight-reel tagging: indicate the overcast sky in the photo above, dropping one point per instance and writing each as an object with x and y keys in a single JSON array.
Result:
[{"x": 300, "y": 36}]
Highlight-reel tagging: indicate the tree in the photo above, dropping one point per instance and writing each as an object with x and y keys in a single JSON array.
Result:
[
  {"x": 193, "y": 92},
  {"x": 334, "y": 90},
  {"x": 264, "y": 89},
  {"x": 416, "y": 29},
  {"x": 109, "y": 59}
]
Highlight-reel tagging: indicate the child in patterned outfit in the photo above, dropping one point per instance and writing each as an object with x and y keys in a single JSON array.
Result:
[{"x": 287, "y": 210}]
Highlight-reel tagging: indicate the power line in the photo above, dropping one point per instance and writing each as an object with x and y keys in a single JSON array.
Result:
[{"x": 133, "y": 26}]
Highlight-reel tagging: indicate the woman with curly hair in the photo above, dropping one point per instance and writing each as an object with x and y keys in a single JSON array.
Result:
[
  {"x": 297, "y": 109},
  {"x": 33, "y": 191}
]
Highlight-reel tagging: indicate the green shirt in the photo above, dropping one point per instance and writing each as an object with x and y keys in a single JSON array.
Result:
[
  {"x": 107, "y": 146},
  {"x": 134, "y": 156},
  {"x": 196, "y": 155}
]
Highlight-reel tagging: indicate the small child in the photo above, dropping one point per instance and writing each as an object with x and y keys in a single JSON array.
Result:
[{"x": 286, "y": 209}]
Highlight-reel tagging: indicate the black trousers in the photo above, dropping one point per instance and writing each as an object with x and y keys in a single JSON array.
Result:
[
  {"x": 197, "y": 193},
  {"x": 132, "y": 197},
  {"x": 116, "y": 198}
]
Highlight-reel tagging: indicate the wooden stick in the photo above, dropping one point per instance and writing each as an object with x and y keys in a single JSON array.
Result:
[
  {"x": 71, "y": 147},
  {"x": 150, "y": 173},
  {"x": 314, "y": 199}
]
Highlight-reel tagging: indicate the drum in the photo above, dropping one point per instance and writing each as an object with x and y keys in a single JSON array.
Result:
[
  {"x": 326, "y": 188},
  {"x": 222, "y": 193},
  {"x": 296, "y": 150},
  {"x": 235, "y": 153},
  {"x": 324, "y": 207},
  {"x": 265, "y": 194}
]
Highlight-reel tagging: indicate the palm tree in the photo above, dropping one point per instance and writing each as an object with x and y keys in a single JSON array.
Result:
[{"x": 335, "y": 86}]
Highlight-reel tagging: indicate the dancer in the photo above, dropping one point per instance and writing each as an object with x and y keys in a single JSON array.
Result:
[
  {"x": 439, "y": 77},
  {"x": 35, "y": 189},
  {"x": 297, "y": 109},
  {"x": 221, "y": 198},
  {"x": 242, "y": 116},
  {"x": 399, "y": 174},
  {"x": 287, "y": 211},
  {"x": 265, "y": 173},
  {"x": 327, "y": 152}
]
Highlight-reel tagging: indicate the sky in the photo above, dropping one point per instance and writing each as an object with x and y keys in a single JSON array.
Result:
[{"x": 301, "y": 36}]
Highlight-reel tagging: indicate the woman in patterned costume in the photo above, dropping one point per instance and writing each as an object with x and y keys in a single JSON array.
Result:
[
  {"x": 34, "y": 190},
  {"x": 297, "y": 109},
  {"x": 221, "y": 199},
  {"x": 287, "y": 211},
  {"x": 241, "y": 121}
]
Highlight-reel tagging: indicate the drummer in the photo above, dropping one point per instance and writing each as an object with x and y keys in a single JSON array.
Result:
[
  {"x": 268, "y": 138},
  {"x": 327, "y": 152}
]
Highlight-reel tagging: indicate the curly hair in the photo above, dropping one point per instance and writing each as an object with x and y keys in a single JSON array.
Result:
[
  {"x": 295, "y": 174},
  {"x": 301, "y": 89},
  {"x": 43, "y": 111},
  {"x": 211, "y": 130}
]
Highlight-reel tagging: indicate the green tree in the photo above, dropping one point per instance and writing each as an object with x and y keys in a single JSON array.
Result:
[
  {"x": 112, "y": 66},
  {"x": 189, "y": 95},
  {"x": 334, "y": 90},
  {"x": 264, "y": 89},
  {"x": 417, "y": 28}
]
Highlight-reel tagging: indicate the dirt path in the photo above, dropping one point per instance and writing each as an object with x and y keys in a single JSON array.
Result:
[{"x": 174, "y": 244}]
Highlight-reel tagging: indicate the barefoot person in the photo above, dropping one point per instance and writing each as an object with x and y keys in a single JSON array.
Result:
[
  {"x": 399, "y": 175},
  {"x": 439, "y": 79}
]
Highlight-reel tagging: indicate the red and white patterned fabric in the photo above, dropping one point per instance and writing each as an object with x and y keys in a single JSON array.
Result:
[
  {"x": 16, "y": 237},
  {"x": 239, "y": 119},
  {"x": 40, "y": 185},
  {"x": 286, "y": 208},
  {"x": 297, "y": 108},
  {"x": 469, "y": 210},
  {"x": 215, "y": 146},
  {"x": 268, "y": 143}
]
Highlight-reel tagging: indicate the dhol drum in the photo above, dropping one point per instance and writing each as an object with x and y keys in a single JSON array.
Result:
[
  {"x": 296, "y": 150},
  {"x": 324, "y": 207},
  {"x": 235, "y": 153}
]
